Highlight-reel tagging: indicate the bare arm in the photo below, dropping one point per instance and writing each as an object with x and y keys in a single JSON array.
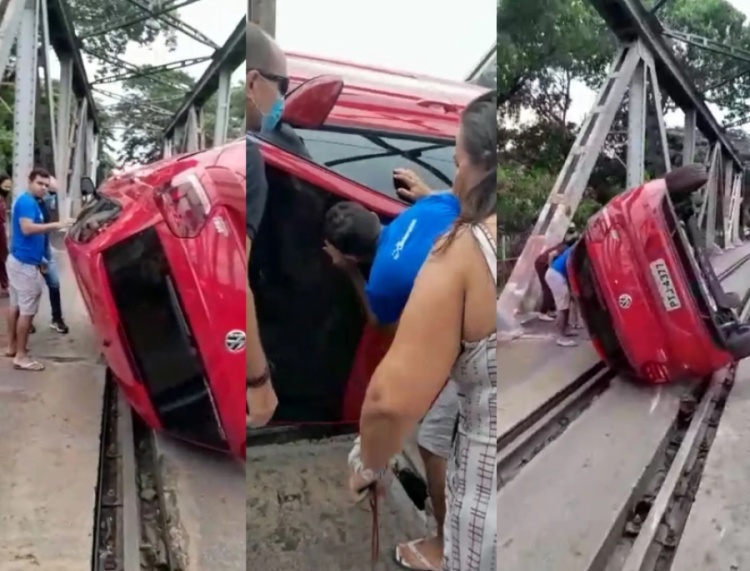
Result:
[
  {"x": 262, "y": 401},
  {"x": 419, "y": 361},
  {"x": 29, "y": 227}
]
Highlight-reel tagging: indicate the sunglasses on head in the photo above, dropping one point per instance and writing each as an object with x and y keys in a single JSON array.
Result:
[{"x": 281, "y": 81}]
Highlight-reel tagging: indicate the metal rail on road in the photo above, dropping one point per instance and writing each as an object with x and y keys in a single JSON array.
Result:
[
  {"x": 130, "y": 530},
  {"x": 611, "y": 490}
]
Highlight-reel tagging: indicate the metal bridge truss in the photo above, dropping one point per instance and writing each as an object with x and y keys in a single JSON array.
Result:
[
  {"x": 643, "y": 60},
  {"x": 184, "y": 131},
  {"x": 72, "y": 149}
]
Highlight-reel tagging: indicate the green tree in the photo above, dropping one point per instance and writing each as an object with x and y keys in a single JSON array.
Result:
[{"x": 141, "y": 115}]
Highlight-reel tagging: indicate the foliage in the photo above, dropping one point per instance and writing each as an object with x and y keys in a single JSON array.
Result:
[
  {"x": 141, "y": 115},
  {"x": 91, "y": 15},
  {"x": 546, "y": 45}
]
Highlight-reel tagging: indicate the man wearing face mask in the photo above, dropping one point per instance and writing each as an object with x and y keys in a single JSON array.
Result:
[{"x": 266, "y": 86}]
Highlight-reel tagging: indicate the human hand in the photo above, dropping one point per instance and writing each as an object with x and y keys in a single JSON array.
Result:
[
  {"x": 360, "y": 488},
  {"x": 413, "y": 188},
  {"x": 339, "y": 260},
  {"x": 65, "y": 224},
  {"x": 262, "y": 403}
]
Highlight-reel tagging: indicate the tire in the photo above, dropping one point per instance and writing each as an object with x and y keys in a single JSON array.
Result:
[{"x": 684, "y": 181}]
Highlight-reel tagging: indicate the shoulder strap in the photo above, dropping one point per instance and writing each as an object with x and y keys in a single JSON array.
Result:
[{"x": 487, "y": 246}]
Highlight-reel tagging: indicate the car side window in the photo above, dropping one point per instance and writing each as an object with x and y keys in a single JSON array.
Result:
[
  {"x": 369, "y": 158},
  {"x": 309, "y": 317}
]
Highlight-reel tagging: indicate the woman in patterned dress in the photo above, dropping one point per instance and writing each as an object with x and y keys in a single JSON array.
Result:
[
  {"x": 448, "y": 329},
  {"x": 6, "y": 187}
]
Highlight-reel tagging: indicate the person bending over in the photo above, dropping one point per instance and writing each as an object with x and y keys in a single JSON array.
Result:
[
  {"x": 355, "y": 237},
  {"x": 557, "y": 280}
]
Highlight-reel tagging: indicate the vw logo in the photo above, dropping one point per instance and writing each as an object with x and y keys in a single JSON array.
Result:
[
  {"x": 625, "y": 301},
  {"x": 235, "y": 341}
]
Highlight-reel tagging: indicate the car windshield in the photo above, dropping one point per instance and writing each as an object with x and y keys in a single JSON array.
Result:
[{"x": 369, "y": 158}]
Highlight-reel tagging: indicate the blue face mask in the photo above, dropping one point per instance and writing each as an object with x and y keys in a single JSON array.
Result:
[{"x": 272, "y": 118}]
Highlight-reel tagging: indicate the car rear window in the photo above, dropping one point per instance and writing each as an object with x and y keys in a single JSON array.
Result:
[{"x": 369, "y": 158}]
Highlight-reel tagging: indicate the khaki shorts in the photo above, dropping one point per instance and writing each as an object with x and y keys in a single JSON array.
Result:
[
  {"x": 25, "y": 286},
  {"x": 558, "y": 285}
]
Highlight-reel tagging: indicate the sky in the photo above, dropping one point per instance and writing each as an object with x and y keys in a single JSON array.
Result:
[
  {"x": 438, "y": 38},
  {"x": 388, "y": 33},
  {"x": 584, "y": 98}
]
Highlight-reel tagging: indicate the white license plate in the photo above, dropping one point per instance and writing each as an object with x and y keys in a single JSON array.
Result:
[{"x": 664, "y": 282}]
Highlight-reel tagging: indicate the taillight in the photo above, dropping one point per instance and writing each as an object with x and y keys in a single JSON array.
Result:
[
  {"x": 184, "y": 204},
  {"x": 655, "y": 372}
]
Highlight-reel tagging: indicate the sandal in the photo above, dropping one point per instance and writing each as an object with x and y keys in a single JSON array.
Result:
[
  {"x": 399, "y": 559},
  {"x": 31, "y": 365}
]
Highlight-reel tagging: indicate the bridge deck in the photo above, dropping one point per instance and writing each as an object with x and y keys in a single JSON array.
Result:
[{"x": 561, "y": 509}]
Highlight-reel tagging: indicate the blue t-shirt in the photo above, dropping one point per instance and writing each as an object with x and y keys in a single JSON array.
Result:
[
  {"x": 402, "y": 249},
  {"x": 27, "y": 249},
  {"x": 560, "y": 264}
]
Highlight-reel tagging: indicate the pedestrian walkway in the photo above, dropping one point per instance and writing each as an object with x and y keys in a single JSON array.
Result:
[{"x": 50, "y": 423}]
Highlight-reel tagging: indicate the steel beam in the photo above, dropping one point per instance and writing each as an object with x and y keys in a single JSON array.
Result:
[
  {"x": 126, "y": 21},
  {"x": 637, "y": 106},
  {"x": 9, "y": 26},
  {"x": 77, "y": 170},
  {"x": 24, "y": 110},
  {"x": 222, "y": 107},
  {"x": 484, "y": 73},
  {"x": 66, "y": 44},
  {"x": 146, "y": 71},
  {"x": 630, "y": 21},
  {"x": 709, "y": 45},
  {"x": 230, "y": 56},
  {"x": 64, "y": 110},
  {"x": 177, "y": 24},
  {"x": 191, "y": 135},
  {"x": 689, "y": 133},
  {"x": 46, "y": 48}
]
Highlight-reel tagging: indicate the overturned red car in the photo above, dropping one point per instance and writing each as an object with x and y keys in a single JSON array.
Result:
[
  {"x": 651, "y": 300},
  {"x": 345, "y": 128},
  {"x": 159, "y": 257}
]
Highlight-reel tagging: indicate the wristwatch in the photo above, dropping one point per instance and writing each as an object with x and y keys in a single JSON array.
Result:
[
  {"x": 374, "y": 475},
  {"x": 257, "y": 382}
]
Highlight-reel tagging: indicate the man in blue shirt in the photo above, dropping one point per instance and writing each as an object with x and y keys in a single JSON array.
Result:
[
  {"x": 395, "y": 253},
  {"x": 557, "y": 280},
  {"x": 25, "y": 264}
]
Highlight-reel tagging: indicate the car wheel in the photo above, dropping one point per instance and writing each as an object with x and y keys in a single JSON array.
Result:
[{"x": 684, "y": 181}]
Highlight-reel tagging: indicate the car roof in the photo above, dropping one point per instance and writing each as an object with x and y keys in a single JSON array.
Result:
[{"x": 388, "y": 100}]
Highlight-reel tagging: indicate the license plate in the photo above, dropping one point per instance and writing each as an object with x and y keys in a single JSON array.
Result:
[{"x": 665, "y": 284}]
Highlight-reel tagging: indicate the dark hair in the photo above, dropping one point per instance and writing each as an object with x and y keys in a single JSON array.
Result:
[
  {"x": 352, "y": 230},
  {"x": 38, "y": 172},
  {"x": 260, "y": 48},
  {"x": 479, "y": 130}
]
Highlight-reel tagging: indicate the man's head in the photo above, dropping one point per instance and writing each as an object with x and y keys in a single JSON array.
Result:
[
  {"x": 39, "y": 180},
  {"x": 352, "y": 230},
  {"x": 266, "y": 82}
]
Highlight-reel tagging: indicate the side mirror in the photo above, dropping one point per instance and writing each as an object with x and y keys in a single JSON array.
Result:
[
  {"x": 308, "y": 106},
  {"x": 88, "y": 188}
]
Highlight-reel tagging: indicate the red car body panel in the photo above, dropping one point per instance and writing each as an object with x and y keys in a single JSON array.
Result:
[
  {"x": 646, "y": 289},
  {"x": 210, "y": 273}
]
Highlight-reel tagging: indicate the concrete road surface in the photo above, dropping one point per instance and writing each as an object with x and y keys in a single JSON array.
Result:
[
  {"x": 299, "y": 517},
  {"x": 50, "y": 423}
]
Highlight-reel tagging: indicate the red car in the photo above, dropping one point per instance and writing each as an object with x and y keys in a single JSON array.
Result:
[
  {"x": 345, "y": 128},
  {"x": 652, "y": 302},
  {"x": 159, "y": 256}
]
